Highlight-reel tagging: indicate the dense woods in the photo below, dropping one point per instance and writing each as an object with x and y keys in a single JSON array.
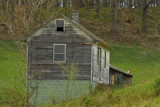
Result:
[{"x": 33, "y": 10}]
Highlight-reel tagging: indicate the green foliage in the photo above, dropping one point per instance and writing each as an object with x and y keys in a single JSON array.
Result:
[
  {"x": 143, "y": 62},
  {"x": 69, "y": 70},
  {"x": 158, "y": 28},
  {"x": 12, "y": 75},
  {"x": 157, "y": 87},
  {"x": 100, "y": 88},
  {"x": 87, "y": 100}
]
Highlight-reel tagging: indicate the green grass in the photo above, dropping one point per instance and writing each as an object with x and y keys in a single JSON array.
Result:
[
  {"x": 12, "y": 75},
  {"x": 10, "y": 58},
  {"x": 144, "y": 63}
]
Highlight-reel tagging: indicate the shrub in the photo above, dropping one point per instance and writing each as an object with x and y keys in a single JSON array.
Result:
[
  {"x": 100, "y": 88},
  {"x": 158, "y": 28},
  {"x": 157, "y": 87}
]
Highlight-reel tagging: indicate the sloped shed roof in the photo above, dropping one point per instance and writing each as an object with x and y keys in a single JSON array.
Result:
[
  {"x": 96, "y": 39},
  {"x": 119, "y": 70}
]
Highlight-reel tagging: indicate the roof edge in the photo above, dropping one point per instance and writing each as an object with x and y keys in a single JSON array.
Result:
[
  {"x": 96, "y": 38},
  {"x": 119, "y": 70}
]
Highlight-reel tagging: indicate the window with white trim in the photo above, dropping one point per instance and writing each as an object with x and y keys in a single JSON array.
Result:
[
  {"x": 59, "y": 52},
  {"x": 60, "y": 25}
]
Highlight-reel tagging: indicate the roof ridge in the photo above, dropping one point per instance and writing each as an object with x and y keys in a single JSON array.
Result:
[
  {"x": 87, "y": 31},
  {"x": 98, "y": 39}
]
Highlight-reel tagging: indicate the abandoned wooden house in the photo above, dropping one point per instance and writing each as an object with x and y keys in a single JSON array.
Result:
[{"x": 62, "y": 40}]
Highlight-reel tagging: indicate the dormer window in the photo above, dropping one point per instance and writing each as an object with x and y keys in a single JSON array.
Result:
[{"x": 60, "y": 25}]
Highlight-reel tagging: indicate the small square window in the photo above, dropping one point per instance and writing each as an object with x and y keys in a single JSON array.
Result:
[
  {"x": 60, "y": 25},
  {"x": 59, "y": 52}
]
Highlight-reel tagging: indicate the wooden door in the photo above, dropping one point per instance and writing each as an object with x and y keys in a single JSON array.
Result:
[{"x": 112, "y": 79}]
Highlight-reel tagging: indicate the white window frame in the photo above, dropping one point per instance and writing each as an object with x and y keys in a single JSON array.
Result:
[
  {"x": 56, "y": 24},
  {"x": 59, "y": 53}
]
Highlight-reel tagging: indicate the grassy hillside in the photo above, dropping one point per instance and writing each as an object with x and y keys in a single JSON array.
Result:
[
  {"x": 10, "y": 59},
  {"x": 132, "y": 50},
  {"x": 143, "y": 63},
  {"x": 12, "y": 75}
]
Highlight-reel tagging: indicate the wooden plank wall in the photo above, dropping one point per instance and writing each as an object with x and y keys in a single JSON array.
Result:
[
  {"x": 40, "y": 51},
  {"x": 103, "y": 75},
  {"x": 119, "y": 75}
]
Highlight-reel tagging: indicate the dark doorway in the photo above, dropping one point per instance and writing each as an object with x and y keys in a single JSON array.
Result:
[{"x": 60, "y": 29}]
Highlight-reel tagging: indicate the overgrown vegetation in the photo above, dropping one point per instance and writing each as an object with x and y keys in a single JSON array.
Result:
[
  {"x": 12, "y": 75},
  {"x": 144, "y": 65},
  {"x": 69, "y": 71},
  {"x": 132, "y": 50},
  {"x": 134, "y": 57}
]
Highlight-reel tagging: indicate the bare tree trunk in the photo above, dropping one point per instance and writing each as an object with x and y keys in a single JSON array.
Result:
[
  {"x": 65, "y": 6},
  {"x": 73, "y": 3},
  {"x": 5, "y": 5},
  {"x": 157, "y": 5},
  {"x": 144, "y": 13},
  {"x": 97, "y": 7},
  {"x": 12, "y": 14},
  {"x": 104, "y": 3},
  {"x": 139, "y": 3},
  {"x": 86, "y": 4},
  {"x": 77, "y": 4},
  {"x": 114, "y": 16},
  {"x": 81, "y": 3},
  {"x": 130, "y": 3},
  {"x": 91, "y": 3},
  {"x": 57, "y": 3}
]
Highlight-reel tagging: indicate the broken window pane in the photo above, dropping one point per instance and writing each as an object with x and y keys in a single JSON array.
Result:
[{"x": 60, "y": 25}]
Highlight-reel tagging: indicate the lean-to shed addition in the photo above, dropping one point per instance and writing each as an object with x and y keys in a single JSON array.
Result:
[{"x": 63, "y": 40}]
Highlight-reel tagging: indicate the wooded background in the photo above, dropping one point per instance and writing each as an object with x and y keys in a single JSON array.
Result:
[{"x": 36, "y": 12}]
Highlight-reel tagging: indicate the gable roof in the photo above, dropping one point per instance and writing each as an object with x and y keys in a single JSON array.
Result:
[{"x": 96, "y": 39}]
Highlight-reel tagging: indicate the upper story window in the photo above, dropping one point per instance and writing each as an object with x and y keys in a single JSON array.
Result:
[
  {"x": 60, "y": 25},
  {"x": 59, "y": 52}
]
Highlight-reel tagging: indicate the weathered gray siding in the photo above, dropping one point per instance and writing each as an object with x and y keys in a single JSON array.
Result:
[
  {"x": 40, "y": 51},
  {"x": 44, "y": 70},
  {"x": 103, "y": 75},
  {"x": 56, "y": 90},
  {"x": 119, "y": 77}
]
